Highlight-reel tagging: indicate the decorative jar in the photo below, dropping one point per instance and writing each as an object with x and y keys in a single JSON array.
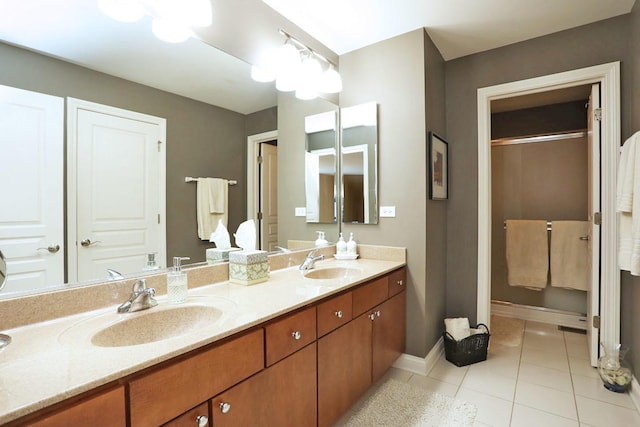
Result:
[{"x": 613, "y": 368}]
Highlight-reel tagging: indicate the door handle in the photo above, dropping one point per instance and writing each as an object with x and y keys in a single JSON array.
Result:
[
  {"x": 51, "y": 248},
  {"x": 87, "y": 242}
]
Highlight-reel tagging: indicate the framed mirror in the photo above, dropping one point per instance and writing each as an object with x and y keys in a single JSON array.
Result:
[
  {"x": 321, "y": 166},
  {"x": 359, "y": 163}
]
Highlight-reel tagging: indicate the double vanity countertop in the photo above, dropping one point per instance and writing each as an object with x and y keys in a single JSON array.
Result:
[{"x": 50, "y": 361}]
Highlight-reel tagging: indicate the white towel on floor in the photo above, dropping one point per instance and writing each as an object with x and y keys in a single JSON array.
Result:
[
  {"x": 457, "y": 327},
  {"x": 527, "y": 253},
  {"x": 628, "y": 204},
  {"x": 570, "y": 263},
  {"x": 212, "y": 205}
]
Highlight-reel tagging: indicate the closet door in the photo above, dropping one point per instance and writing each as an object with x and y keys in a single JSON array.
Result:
[{"x": 593, "y": 295}]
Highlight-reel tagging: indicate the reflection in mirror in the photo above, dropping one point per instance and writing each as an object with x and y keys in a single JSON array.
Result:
[
  {"x": 359, "y": 163},
  {"x": 320, "y": 167},
  {"x": 3, "y": 270}
]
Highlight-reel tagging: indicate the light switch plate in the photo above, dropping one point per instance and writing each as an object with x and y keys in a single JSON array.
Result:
[
  {"x": 387, "y": 211},
  {"x": 301, "y": 211}
]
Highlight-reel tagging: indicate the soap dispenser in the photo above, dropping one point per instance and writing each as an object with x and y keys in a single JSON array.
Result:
[
  {"x": 341, "y": 246},
  {"x": 177, "y": 285},
  {"x": 151, "y": 262},
  {"x": 321, "y": 241},
  {"x": 352, "y": 246}
]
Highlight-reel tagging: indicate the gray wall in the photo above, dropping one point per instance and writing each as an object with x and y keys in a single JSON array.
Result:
[
  {"x": 202, "y": 140},
  {"x": 593, "y": 44},
  {"x": 394, "y": 73}
]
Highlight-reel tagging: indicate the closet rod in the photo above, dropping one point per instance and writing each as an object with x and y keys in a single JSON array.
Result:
[{"x": 557, "y": 136}]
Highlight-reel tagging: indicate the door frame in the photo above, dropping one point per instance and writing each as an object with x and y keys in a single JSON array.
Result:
[
  {"x": 73, "y": 105},
  {"x": 608, "y": 75},
  {"x": 253, "y": 184}
]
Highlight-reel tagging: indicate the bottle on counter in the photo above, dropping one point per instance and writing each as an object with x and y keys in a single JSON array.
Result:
[
  {"x": 352, "y": 246},
  {"x": 341, "y": 246},
  {"x": 177, "y": 285}
]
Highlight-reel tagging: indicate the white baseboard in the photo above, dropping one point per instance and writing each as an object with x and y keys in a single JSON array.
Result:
[
  {"x": 419, "y": 365},
  {"x": 539, "y": 314},
  {"x": 635, "y": 392}
]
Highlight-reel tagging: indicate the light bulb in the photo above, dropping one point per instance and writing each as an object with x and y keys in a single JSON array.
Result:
[
  {"x": 331, "y": 82},
  {"x": 310, "y": 72},
  {"x": 122, "y": 10},
  {"x": 169, "y": 31},
  {"x": 262, "y": 74},
  {"x": 288, "y": 68}
]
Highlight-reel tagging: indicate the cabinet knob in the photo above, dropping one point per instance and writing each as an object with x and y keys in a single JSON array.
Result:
[
  {"x": 202, "y": 420},
  {"x": 372, "y": 316},
  {"x": 339, "y": 314},
  {"x": 296, "y": 335},
  {"x": 224, "y": 407},
  {"x": 400, "y": 282},
  {"x": 377, "y": 313}
]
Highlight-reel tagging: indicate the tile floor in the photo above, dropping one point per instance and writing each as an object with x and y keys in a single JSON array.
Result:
[{"x": 546, "y": 381}]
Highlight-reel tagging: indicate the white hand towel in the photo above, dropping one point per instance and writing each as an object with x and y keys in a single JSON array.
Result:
[
  {"x": 570, "y": 264},
  {"x": 210, "y": 210},
  {"x": 628, "y": 204},
  {"x": 457, "y": 327},
  {"x": 527, "y": 253}
]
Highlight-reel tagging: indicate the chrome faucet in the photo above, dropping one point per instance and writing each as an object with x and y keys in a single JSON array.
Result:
[
  {"x": 311, "y": 258},
  {"x": 114, "y": 275},
  {"x": 141, "y": 298}
]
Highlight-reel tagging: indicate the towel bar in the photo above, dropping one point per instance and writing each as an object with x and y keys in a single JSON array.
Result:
[{"x": 192, "y": 179}]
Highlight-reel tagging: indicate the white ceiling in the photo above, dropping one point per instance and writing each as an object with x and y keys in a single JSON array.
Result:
[
  {"x": 457, "y": 27},
  {"x": 74, "y": 30}
]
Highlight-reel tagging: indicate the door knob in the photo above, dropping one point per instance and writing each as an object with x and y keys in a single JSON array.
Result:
[
  {"x": 51, "y": 248},
  {"x": 202, "y": 420},
  {"x": 87, "y": 242},
  {"x": 224, "y": 407}
]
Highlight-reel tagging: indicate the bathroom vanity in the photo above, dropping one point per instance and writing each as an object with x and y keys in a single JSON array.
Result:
[{"x": 296, "y": 350}]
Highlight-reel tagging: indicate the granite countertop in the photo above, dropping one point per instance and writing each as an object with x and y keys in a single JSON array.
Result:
[{"x": 50, "y": 361}]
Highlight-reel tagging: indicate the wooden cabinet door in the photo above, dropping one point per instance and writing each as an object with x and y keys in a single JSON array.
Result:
[
  {"x": 282, "y": 395},
  {"x": 170, "y": 391},
  {"x": 370, "y": 295},
  {"x": 334, "y": 313},
  {"x": 397, "y": 281},
  {"x": 106, "y": 409},
  {"x": 344, "y": 368},
  {"x": 389, "y": 329},
  {"x": 290, "y": 334},
  {"x": 193, "y": 418}
]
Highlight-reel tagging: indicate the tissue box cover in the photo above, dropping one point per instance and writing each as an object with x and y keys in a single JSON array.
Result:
[
  {"x": 248, "y": 274},
  {"x": 217, "y": 254},
  {"x": 248, "y": 257}
]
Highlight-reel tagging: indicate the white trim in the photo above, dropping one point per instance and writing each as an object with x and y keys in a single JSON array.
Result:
[
  {"x": 608, "y": 75},
  {"x": 418, "y": 365},
  {"x": 252, "y": 173},
  {"x": 540, "y": 314},
  {"x": 635, "y": 392},
  {"x": 73, "y": 105}
]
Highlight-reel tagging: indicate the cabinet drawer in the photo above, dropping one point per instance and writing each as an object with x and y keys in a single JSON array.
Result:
[
  {"x": 290, "y": 334},
  {"x": 106, "y": 409},
  {"x": 334, "y": 313},
  {"x": 397, "y": 281},
  {"x": 170, "y": 391},
  {"x": 192, "y": 418},
  {"x": 368, "y": 296}
]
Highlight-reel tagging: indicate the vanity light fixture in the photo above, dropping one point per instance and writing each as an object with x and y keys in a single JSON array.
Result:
[
  {"x": 172, "y": 19},
  {"x": 296, "y": 67}
]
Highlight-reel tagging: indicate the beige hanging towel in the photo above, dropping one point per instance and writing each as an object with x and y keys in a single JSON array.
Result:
[
  {"x": 570, "y": 266},
  {"x": 527, "y": 253},
  {"x": 212, "y": 205}
]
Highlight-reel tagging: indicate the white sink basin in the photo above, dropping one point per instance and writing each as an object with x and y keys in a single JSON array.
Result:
[
  {"x": 332, "y": 273},
  {"x": 159, "y": 323}
]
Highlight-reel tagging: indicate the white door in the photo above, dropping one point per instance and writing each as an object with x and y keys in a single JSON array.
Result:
[
  {"x": 593, "y": 295},
  {"x": 31, "y": 175},
  {"x": 119, "y": 181},
  {"x": 269, "y": 197}
]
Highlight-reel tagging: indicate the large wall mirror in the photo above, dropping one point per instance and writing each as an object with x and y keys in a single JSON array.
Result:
[
  {"x": 321, "y": 167},
  {"x": 359, "y": 163},
  {"x": 343, "y": 188},
  {"x": 207, "y": 126}
]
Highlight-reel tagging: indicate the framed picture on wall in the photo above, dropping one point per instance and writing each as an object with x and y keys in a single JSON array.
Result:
[{"x": 438, "y": 168}]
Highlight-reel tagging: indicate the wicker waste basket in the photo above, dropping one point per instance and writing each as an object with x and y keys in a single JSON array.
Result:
[{"x": 471, "y": 349}]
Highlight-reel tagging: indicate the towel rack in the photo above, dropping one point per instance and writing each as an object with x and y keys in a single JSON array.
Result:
[
  {"x": 548, "y": 225},
  {"x": 192, "y": 179}
]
